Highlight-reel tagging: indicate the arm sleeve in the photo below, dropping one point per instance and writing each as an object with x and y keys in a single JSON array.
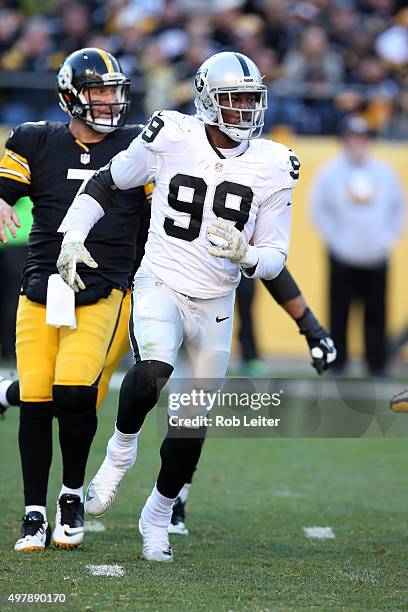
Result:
[
  {"x": 282, "y": 288},
  {"x": 15, "y": 172},
  {"x": 272, "y": 235}
]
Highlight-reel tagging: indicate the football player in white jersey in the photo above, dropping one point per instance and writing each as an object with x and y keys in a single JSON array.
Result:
[{"x": 216, "y": 189}]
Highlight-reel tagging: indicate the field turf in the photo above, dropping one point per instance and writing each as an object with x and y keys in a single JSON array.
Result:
[{"x": 247, "y": 550}]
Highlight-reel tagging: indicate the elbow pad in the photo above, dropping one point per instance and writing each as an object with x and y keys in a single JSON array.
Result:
[{"x": 101, "y": 187}]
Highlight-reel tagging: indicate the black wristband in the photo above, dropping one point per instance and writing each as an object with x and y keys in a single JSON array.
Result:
[{"x": 310, "y": 327}]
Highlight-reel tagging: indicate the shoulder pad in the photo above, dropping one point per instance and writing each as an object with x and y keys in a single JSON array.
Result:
[
  {"x": 164, "y": 128},
  {"x": 283, "y": 164},
  {"x": 23, "y": 138}
]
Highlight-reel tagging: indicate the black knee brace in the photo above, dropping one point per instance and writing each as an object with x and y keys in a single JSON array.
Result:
[
  {"x": 75, "y": 408},
  {"x": 35, "y": 441},
  {"x": 139, "y": 393},
  {"x": 179, "y": 457}
]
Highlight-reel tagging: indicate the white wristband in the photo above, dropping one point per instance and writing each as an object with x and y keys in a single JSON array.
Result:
[
  {"x": 74, "y": 235},
  {"x": 251, "y": 257}
]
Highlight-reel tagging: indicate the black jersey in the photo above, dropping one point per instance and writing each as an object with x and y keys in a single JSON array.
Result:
[{"x": 43, "y": 160}]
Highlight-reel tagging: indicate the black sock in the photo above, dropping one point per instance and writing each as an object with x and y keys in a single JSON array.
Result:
[
  {"x": 179, "y": 456},
  {"x": 75, "y": 408},
  {"x": 35, "y": 441}
]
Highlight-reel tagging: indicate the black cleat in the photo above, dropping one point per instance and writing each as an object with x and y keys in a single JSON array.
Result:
[{"x": 35, "y": 533}]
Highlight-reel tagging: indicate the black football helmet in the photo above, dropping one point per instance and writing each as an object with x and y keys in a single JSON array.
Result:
[{"x": 82, "y": 72}]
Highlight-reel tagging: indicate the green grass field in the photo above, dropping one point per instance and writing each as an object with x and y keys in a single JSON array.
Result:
[{"x": 246, "y": 513}]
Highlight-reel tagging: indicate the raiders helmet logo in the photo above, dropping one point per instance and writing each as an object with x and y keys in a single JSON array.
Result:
[{"x": 199, "y": 80}]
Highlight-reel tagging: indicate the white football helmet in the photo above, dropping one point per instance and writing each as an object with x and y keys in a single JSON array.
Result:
[{"x": 228, "y": 73}]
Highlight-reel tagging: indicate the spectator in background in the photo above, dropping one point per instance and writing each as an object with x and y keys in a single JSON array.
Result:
[
  {"x": 357, "y": 206},
  {"x": 312, "y": 73}
]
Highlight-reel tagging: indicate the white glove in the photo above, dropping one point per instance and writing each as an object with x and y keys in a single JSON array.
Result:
[
  {"x": 232, "y": 244},
  {"x": 72, "y": 252}
]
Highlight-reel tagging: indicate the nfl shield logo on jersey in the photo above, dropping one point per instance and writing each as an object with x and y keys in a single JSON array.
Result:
[
  {"x": 85, "y": 158},
  {"x": 218, "y": 167}
]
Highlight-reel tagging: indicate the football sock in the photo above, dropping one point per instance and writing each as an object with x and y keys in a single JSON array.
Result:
[
  {"x": 122, "y": 449},
  {"x": 184, "y": 493},
  {"x": 179, "y": 458},
  {"x": 158, "y": 509},
  {"x": 35, "y": 441},
  {"x": 68, "y": 490},
  {"x": 34, "y": 508},
  {"x": 76, "y": 411}
]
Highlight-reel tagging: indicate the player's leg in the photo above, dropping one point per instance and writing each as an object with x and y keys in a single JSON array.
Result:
[
  {"x": 208, "y": 352},
  {"x": 117, "y": 351},
  {"x": 156, "y": 333},
  {"x": 79, "y": 365},
  {"x": 36, "y": 348},
  {"x": 10, "y": 389}
]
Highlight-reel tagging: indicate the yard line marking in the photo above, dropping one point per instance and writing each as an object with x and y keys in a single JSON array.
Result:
[
  {"x": 94, "y": 526},
  {"x": 319, "y": 533},
  {"x": 106, "y": 570}
]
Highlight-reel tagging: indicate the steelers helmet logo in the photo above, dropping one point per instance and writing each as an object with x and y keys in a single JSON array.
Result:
[{"x": 65, "y": 77}]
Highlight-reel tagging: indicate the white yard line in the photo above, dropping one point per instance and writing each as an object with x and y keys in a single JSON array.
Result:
[
  {"x": 319, "y": 533},
  {"x": 106, "y": 570}
]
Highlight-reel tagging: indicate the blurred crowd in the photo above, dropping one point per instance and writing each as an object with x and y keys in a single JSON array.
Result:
[{"x": 322, "y": 59}]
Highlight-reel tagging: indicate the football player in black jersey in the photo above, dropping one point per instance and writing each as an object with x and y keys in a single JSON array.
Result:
[{"x": 59, "y": 368}]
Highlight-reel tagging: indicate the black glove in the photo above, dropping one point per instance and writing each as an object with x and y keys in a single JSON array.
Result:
[{"x": 321, "y": 345}]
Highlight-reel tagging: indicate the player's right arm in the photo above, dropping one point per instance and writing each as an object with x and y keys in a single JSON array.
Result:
[
  {"x": 130, "y": 168},
  {"x": 15, "y": 177},
  {"x": 287, "y": 294}
]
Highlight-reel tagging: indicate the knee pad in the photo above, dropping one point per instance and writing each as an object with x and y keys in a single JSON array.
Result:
[
  {"x": 144, "y": 381},
  {"x": 37, "y": 411},
  {"x": 76, "y": 405}
]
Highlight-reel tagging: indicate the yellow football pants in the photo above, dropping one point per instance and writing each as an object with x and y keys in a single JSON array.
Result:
[{"x": 85, "y": 356}]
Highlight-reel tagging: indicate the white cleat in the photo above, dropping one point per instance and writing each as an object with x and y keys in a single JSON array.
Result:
[
  {"x": 177, "y": 525},
  {"x": 178, "y": 528},
  {"x": 102, "y": 489},
  {"x": 156, "y": 545},
  {"x": 69, "y": 522}
]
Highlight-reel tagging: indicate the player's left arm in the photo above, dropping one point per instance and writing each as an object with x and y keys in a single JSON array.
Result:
[
  {"x": 266, "y": 257},
  {"x": 287, "y": 294}
]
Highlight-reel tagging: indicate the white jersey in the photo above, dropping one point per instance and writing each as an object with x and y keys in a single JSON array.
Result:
[{"x": 194, "y": 184}]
